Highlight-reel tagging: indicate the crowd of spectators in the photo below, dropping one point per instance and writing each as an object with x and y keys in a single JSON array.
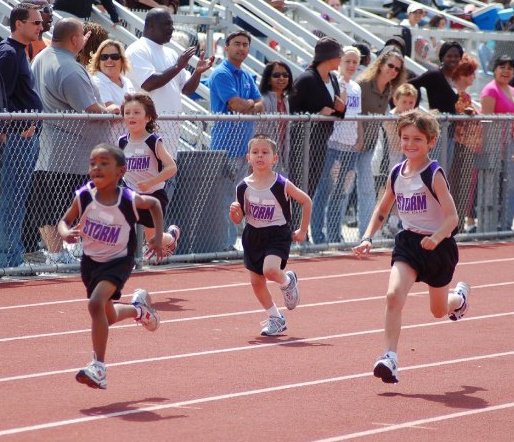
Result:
[{"x": 82, "y": 70}]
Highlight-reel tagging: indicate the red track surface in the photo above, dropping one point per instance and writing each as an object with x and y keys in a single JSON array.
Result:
[{"x": 207, "y": 375}]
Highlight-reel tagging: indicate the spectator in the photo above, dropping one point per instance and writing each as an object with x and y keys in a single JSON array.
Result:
[
  {"x": 415, "y": 14},
  {"x": 440, "y": 93},
  {"x": 97, "y": 34},
  {"x": 378, "y": 84},
  {"x": 404, "y": 100},
  {"x": 343, "y": 145},
  {"x": 336, "y": 4},
  {"x": 158, "y": 70},
  {"x": 64, "y": 86},
  {"x": 497, "y": 97},
  {"x": 468, "y": 142},
  {"x": 21, "y": 138},
  {"x": 315, "y": 91},
  {"x": 108, "y": 68},
  {"x": 365, "y": 57},
  {"x": 83, "y": 8},
  {"x": 276, "y": 84},
  {"x": 433, "y": 43},
  {"x": 146, "y": 5},
  {"x": 46, "y": 11},
  {"x": 233, "y": 90},
  {"x": 437, "y": 81}
]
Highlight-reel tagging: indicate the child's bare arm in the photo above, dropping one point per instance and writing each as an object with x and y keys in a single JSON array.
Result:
[
  {"x": 380, "y": 214},
  {"x": 451, "y": 219},
  {"x": 169, "y": 168},
  {"x": 305, "y": 201},
  {"x": 236, "y": 213},
  {"x": 68, "y": 233},
  {"x": 154, "y": 206}
]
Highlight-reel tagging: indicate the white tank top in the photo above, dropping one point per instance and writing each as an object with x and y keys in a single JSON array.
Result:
[
  {"x": 418, "y": 207},
  {"x": 142, "y": 161},
  {"x": 107, "y": 232}
]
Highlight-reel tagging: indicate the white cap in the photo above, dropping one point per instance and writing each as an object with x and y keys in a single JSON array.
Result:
[{"x": 413, "y": 7}]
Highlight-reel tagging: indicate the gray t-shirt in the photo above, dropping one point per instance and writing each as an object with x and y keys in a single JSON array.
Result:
[{"x": 65, "y": 86}]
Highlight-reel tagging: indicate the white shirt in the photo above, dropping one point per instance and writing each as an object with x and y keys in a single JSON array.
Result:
[
  {"x": 345, "y": 132},
  {"x": 149, "y": 58},
  {"x": 109, "y": 90}
]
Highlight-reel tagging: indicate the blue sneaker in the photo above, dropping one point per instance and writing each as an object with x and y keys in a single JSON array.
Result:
[{"x": 273, "y": 326}]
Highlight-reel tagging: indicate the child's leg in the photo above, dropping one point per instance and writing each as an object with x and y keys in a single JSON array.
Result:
[
  {"x": 118, "y": 312},
  {"x": 98, "y": 307},
  {"x": 401, "y": 279},
  {"x": 169, "y": 238},
  {"x": 273, "y": 272},
  {"x": 261, "y": 291}
]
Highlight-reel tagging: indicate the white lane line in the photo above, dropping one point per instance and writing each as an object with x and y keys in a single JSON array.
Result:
[
  {"x": 81, "y": 420},
  {"x": 256, "y": 346},
  {"x": 243, "y": 284},
  {"x": 418, "y": 422},
  {"x": 231, "y": 314}
]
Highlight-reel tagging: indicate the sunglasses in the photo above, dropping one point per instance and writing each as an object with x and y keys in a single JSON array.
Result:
[
  {"x": 114, "y": 57},
  {"x": 34, "y": 22},
  {"x": 280, "y": 74},
  {"x": 392, "y": 66}
]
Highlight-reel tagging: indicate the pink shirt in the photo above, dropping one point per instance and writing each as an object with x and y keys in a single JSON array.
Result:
[{"x": 503, "y": 104}]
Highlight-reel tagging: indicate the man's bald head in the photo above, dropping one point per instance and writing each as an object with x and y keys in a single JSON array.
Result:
[
  {"x": 158, "y": 25},
  {"x": 65, "y": 29}
]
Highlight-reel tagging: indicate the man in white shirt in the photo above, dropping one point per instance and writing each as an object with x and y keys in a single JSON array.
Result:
[{"x": 159, "y": 70}]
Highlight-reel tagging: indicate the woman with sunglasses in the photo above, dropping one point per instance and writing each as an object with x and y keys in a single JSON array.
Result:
[
  {"x": 276, "y": 83},
  {"x": 378, "y": 83},
  {"x": 107, "y": 68},
  {"x": 497, "y": 97}
]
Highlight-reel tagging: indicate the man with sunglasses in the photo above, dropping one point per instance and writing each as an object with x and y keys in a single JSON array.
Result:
[
  {"x": 21, "y": 137},
  {"x": 46, "y": 10}
]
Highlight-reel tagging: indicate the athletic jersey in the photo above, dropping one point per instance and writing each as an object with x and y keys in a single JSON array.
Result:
[
  {"x": 142, "y": 161},
  {"x": 107, "y": 232},
  {"x": 417, "y": 203},
  {"x": 266, "y": 207}
]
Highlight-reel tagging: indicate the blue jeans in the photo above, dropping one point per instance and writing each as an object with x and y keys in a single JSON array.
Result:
[
  {"x": 18, "y": 161},
  {"x": 336, "y": 196}
]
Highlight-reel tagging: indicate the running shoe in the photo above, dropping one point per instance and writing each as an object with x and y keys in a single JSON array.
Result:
[
  {"x": 149, "y": 316},
  {"x": 291, "y": 292},
  {"x": 386, "y": 368},
  {"x": 273, "y": 326},
  {"x": 463, "y": 290},
  {"x": 170, "y": 248},
  {"x": 93, "y": 375}
]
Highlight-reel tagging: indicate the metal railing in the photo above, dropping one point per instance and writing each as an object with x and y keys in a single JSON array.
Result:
[{"x": 38, "y": 179}]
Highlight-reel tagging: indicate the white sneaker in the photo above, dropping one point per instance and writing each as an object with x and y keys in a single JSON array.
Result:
[
  {"x": 174, "y": 231},
  {"x": 291, "y": 292},
  {"x": 273, "y": 326},
  {"x": 463, "y": 290},
  {"x": 93, "y": 375},
  {"x": 386, "y": 368},
  {"x": 149, "y": 317}
]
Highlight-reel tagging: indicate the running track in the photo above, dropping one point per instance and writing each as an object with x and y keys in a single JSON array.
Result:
[{"x": 207, "y": 375}]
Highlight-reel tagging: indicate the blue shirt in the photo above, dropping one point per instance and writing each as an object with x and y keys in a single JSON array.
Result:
[{"x": 227, "y": 82}]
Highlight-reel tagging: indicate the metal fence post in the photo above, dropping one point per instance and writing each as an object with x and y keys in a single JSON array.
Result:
[{"x": 306, "y": 155}]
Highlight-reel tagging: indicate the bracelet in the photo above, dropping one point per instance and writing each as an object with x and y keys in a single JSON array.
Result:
[{"x": 367, "y": 238}]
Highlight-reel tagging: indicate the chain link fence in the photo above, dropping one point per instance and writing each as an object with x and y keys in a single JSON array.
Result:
[{"x": 343, "y": 165}]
